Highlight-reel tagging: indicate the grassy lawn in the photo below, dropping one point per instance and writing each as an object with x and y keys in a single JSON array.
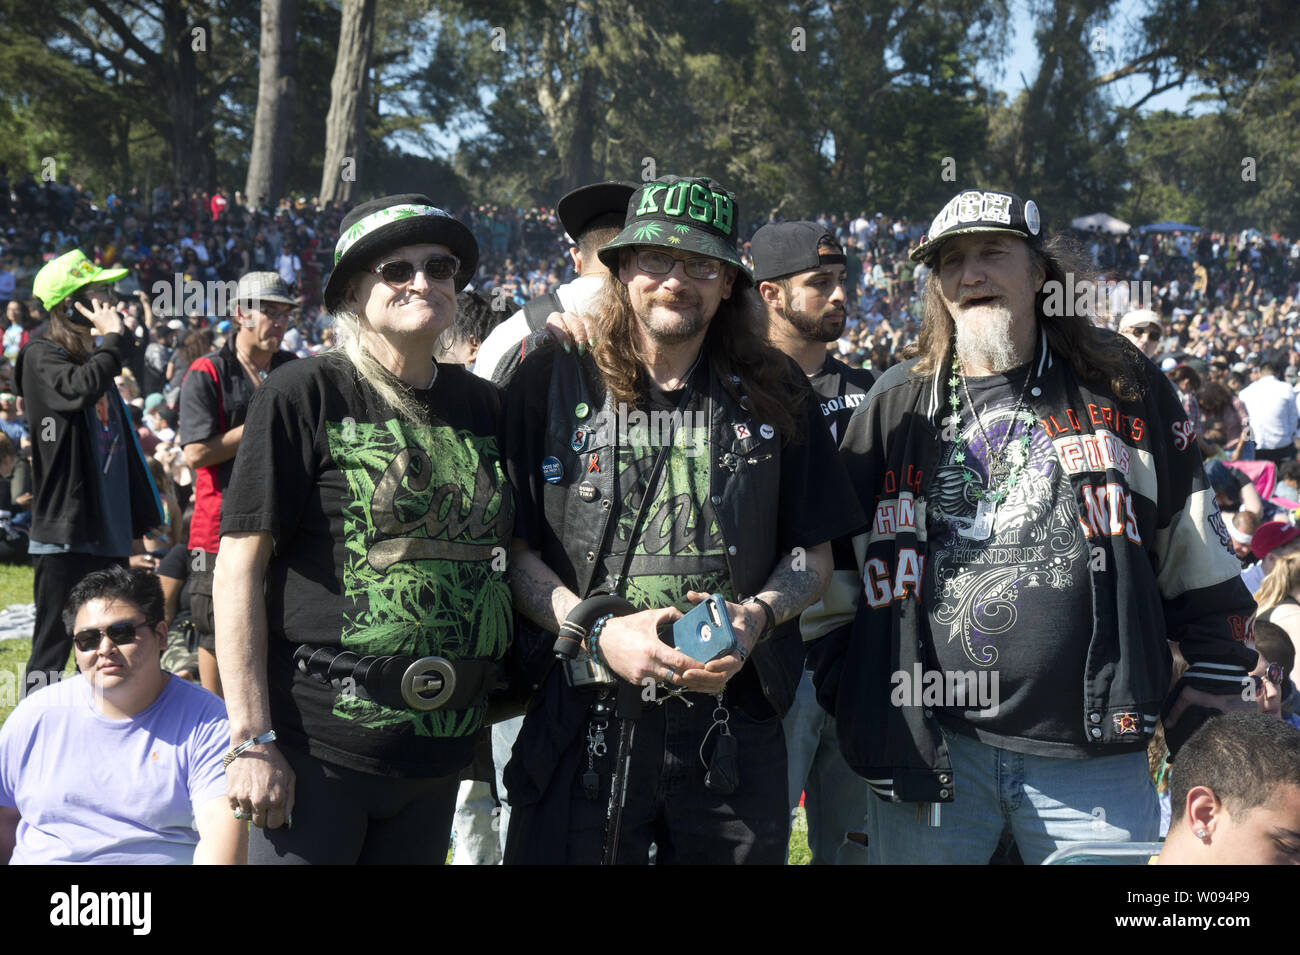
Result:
[{"x": 16, "y": 588}]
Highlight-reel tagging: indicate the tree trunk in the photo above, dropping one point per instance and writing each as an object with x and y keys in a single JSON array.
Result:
[
  {"x": 345, "y": 124},
  {"x": 181, "y": 84},
  {"x": 277, "y": 90}
]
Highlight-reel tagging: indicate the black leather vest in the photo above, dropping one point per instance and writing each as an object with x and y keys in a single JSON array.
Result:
[{"x": 744, "y": 490}]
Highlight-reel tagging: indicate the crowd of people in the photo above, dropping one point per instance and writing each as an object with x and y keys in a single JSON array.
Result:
[{"x": 373, "y": 477}]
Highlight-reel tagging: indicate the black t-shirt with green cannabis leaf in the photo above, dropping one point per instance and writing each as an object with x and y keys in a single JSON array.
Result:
[{"x": 390, "y": 538}]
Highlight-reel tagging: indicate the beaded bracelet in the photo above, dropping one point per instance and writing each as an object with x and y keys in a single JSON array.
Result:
[{"x": 593, "y": 638}]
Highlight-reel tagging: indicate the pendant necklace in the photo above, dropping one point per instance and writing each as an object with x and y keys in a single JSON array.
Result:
[{"x": 1005, "y": 464}]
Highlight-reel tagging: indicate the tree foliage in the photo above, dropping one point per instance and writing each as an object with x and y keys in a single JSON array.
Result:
[{"x": 798, "y": 105}]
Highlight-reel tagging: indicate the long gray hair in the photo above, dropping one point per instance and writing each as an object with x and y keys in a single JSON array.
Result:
[{"x": 397, "y": 394}]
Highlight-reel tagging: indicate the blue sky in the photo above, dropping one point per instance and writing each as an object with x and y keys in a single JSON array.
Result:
[{"x": 1020, "y": 66}]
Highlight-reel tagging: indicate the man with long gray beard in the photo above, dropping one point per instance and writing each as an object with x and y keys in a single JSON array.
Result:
[
  {"x": 1041, "y": 523},
  {"x": 799, "y": 271}
]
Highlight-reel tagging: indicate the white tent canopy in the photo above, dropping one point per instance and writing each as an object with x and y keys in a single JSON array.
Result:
[{"x": 1100, "y": 222}]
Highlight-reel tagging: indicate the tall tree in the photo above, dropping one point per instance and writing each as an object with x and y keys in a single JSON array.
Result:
[
  {"x": 345, "y": 124},
  {"x": 164, "y": 57},
  {"x": 277, "y": 91}
]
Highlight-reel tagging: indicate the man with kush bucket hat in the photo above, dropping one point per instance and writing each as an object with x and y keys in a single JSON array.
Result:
[
  {"x": 679, "y": 457},
  {"x": 369, "y": 495},
  {"x": 1041, "y": 525},
  {"x": 93, "y": 497}
]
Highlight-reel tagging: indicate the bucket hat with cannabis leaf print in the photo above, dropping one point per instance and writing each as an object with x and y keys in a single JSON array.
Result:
[
  {"x": 388, "y": 223},
  {"x": 688, "y": 215}
]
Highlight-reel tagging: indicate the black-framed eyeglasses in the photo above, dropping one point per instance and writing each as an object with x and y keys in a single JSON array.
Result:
[
  {"x": 120, "y": 633},
  {"x": 438, "y": 268},
  {"x": 654, "y": 262}
]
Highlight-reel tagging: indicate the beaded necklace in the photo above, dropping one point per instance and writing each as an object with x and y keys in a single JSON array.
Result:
[{"x": 1005, "y": 463}]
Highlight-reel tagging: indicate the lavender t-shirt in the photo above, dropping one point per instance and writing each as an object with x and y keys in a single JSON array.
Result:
[{"x": 94, "y": 789}]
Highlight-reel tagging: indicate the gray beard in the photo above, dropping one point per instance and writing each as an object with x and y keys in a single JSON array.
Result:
[{"x": 987, "y": 343}]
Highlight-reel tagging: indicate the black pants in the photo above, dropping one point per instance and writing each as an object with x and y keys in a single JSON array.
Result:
[
  {"x": 667, "y": 802},
  {"x": 345, "y": 817},
  {"x": 56, "y": 575},
  {"x": 1278, "y": 456}
]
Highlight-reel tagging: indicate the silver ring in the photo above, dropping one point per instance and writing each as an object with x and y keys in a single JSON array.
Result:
[
  {"x": 672, "y": 674},
  {"x": 239, "y": 814}
]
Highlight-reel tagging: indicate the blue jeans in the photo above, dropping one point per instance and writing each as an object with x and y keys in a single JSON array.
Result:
[
  {"x": 835, "y": 797},
  {"x": 504, "y": 735},
  {"x": 1046, "y": 802}
]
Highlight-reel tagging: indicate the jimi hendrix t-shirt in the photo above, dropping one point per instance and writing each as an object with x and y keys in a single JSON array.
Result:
[{"x": 1010, "y": 603}]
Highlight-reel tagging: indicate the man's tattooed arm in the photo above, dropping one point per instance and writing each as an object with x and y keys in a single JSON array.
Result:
[
  {"x": 789, "y": 590},
  {"x": 538, "y": 593}
]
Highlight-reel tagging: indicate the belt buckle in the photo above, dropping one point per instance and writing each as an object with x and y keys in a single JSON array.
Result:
[
  {"x": 585, "y": 670},
  {"x": 428, "y": 675}
]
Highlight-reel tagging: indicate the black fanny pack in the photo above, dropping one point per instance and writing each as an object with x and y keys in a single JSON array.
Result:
[{"x": 401, "y": 682}]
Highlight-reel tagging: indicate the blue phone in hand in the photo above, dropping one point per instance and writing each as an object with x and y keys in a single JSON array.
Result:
[{"x": 705, "y": 633}]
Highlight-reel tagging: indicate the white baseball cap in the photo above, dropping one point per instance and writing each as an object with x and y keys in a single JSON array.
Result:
[{"x": 1139, "y": 318}]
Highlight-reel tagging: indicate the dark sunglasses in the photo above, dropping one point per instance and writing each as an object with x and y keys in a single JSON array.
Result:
[
  {"x": 121, "y": 633},
  {"x": 1273, "y": 673},
  {"x": 438, "y": 268}
]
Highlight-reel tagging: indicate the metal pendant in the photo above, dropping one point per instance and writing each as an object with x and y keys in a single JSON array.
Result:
[{"x": 982, "y": 528}]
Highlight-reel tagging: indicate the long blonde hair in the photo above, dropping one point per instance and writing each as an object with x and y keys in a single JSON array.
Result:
[
  {"x": 1280, "y": 583},
  {"x": 397, "y": 394}
]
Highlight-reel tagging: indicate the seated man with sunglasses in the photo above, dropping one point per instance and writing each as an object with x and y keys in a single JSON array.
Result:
[{"x": 122, "y": 763}]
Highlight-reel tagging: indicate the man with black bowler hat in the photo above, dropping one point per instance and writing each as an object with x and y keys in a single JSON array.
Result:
[
  {"x": 730, "y": 484},
  {"x": 799, "y": 268}
]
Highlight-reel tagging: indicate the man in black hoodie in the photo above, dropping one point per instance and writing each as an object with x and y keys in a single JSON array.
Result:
[{"x": 94, "y": 498}]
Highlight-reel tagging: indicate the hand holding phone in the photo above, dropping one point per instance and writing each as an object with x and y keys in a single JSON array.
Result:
[{"x": 705, "y": 632}]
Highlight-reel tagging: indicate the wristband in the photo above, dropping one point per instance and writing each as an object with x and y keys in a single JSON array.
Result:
[
  {"x": 593, "y": 639},
  {"x": 767, "y": 612},
  {"x": 230, "y": 757}
]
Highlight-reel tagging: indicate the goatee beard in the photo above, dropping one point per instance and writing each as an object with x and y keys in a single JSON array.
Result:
[{"x": 986, "y": 342}]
